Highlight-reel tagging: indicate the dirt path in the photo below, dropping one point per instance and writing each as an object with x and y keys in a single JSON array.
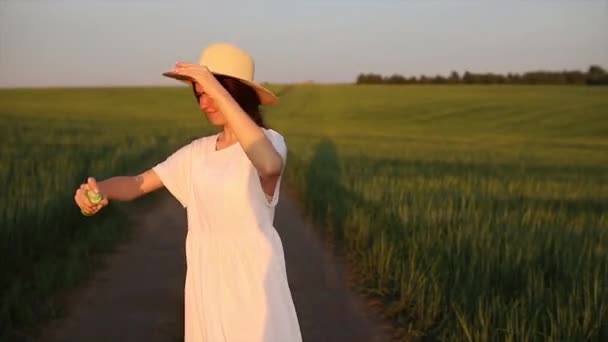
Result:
[{"x": 138, "y": 294}]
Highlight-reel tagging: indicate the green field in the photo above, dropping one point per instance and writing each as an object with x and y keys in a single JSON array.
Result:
[
  {"x": 51, "y": 141},
  {"x": 473, "y": 212}
]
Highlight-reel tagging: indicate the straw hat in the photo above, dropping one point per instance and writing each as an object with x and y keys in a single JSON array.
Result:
[{"x": 230, "y": 60}]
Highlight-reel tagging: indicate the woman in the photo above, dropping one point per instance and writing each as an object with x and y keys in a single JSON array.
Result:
[{"x": 236, "y": 282}]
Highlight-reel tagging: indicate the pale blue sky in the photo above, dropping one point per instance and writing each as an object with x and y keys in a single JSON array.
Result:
[{"x": 130, "y": 42}]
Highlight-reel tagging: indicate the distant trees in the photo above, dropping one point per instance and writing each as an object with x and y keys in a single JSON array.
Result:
[{"x": 595, "y": 75}]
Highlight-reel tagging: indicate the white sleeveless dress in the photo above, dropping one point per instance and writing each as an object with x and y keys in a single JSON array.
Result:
[{"x": 236, "y": 281}]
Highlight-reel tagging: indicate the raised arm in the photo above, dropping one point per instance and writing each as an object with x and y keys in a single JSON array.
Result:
[
  {"x": 120, "y": 188},
  {"x": 257, "y": 146}
]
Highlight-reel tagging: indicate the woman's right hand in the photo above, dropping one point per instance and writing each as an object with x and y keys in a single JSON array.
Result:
[{"x": 83, "y": 201}]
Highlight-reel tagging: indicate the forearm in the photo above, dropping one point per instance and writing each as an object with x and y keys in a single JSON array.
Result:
[
  {"x": 256, "y": 145},
  {"x": 121, "y": 188}
]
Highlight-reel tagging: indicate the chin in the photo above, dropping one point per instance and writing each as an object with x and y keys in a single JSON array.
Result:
[{"x": 215, "y": 122}]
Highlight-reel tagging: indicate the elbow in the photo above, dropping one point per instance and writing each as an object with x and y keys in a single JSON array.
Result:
[{"x": 272, "y": 168}]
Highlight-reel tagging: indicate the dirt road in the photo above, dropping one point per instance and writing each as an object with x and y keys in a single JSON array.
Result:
[{"x": 138, "y": 294}]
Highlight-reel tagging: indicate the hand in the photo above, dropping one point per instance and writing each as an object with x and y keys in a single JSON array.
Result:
[
  {"x": 202, "y": 76},
  {"x": 82, "y": 200}
]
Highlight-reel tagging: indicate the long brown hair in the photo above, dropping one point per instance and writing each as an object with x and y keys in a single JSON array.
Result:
[{"x": 243, "y": 94}]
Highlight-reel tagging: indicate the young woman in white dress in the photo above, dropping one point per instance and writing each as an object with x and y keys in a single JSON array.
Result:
[{"x": 236, "y": 286}]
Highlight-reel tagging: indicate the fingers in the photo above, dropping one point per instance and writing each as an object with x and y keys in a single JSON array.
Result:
[
  {"x": 189, "y": 68},
  {"x": 85, "y": 205},
  {"x": 92, "y": 184},
  {"x": 186, "y": 65},
  {"x": 82, "y": 200},
  {"x": 199, "y": 74},
  {"x": 96, "y": 209},
  {"x": 82, "y": 195},
  {"x": 78, "y": 200}
]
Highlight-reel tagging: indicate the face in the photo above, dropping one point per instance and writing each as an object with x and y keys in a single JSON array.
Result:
[{"x": 205, "y": 103}]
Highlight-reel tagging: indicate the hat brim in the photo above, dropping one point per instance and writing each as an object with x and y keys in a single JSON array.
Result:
[{"x": 266, "y": 96}]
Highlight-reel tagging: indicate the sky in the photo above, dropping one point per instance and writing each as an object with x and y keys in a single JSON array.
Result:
[{"x": 54, "y": 43}]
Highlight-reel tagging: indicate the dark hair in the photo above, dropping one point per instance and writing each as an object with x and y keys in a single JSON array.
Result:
[{"x": 243, "y": 94}]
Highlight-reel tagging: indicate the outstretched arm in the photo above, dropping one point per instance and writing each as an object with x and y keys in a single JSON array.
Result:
[
  {"x": 120, "y": 188},
  {"x": 127, "y": 188}
]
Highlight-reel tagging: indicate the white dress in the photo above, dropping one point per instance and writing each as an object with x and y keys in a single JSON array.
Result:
[{"x": 236, "y": 281}]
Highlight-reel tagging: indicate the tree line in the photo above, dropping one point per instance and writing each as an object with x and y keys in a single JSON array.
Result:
[{"x": 595, "y": 75}]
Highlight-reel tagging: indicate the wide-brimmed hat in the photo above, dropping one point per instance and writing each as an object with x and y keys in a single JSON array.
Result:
[{"x": 230, "y": 60}]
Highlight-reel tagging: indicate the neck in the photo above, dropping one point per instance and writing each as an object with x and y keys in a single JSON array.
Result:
[{"x": 228, "y": 135}]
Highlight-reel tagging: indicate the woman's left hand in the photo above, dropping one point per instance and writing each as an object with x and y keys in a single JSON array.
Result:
[{"x": 201, "y": 75}]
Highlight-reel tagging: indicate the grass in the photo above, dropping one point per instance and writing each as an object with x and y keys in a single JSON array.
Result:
[
  {"x": 473, "y": 212},
  {"x": 52, "y": 141}
]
